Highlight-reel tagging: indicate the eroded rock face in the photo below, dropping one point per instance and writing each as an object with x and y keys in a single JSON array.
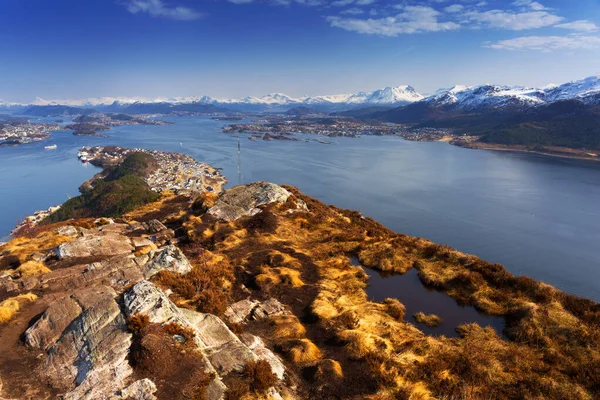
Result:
[
  {"x": 224, "y": 351},
  {"x": 168, "y": 258},
  {"x": 244, "y": 200},
  {"x": 252, "y": 309},
  {"x": 95, "y": 245},
  {"x": 143, "y": 389},
  {"x": 69, "y": 231},
  {"x": 87, "y": 343}
]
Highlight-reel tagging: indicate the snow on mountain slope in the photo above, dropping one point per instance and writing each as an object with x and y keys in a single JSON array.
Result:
[
  {"x": 460, "y": 97},
  {"x": 389, "y": 95},
  {"x": 493, "y": 96},
  {"x": 587, "y": 90}
]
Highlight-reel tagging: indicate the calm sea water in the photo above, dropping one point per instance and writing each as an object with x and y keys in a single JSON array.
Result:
[{"x": 538, "y": 216}]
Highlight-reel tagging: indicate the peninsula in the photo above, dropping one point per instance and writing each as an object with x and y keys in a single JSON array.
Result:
[{"x": 252, "y": 292}]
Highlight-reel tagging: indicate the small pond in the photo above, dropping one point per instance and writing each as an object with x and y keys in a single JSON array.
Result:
[{"x": 411, "y": 292}]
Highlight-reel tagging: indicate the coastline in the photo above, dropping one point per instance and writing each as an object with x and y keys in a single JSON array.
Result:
[{"x": 559, "y": 152}]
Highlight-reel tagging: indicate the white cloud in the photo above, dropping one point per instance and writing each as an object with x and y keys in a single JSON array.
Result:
[
  {"x": 353, "y": 11},
  {"x": 582, "y": 25},
  {"x": 513, "y": 20},
  {"x": 412, "y": 19},
  {"x": 364, "y": 2},
  {"x": 548, "y": 43},
  {"x": 454, "y": 8},
  {"x": 342, "y": 3},
  {"x": 534, "y": 5},
  {"x": 157, "y": 8}
]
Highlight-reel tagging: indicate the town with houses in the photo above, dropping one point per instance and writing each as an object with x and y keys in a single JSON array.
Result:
[
  {"x": 175, "y": 172},
  {"x": 282, "y": 127},
  {"x": 22, "y": 133}
]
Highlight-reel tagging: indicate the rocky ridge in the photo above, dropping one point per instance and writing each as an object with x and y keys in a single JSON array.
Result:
[{"x": 83, "y": 334}]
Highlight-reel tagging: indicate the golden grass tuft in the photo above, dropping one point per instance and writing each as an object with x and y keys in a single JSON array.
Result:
[
  {"x": 322, "y": 307},
  {"x": 276, "y": 276},
  {"x": 361, "y": 344},
  {"x": 430, "y": 320},
  {"x": 32, "y": 268},
  {"x": 152, "y": 207},
  {"x": 23, "y": 247},
  {"x": 303, "y": 351},
  {"x": 10, "y": 307},
  {"x": 384, "y": 256},
  {"x": 395, "y": 309},
  {"x": 287, "y": 327},
  {"x": 145, "y": 250},
  {"x": 329, "y": 369}
]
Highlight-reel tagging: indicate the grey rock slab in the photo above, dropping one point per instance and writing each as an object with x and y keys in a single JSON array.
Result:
[
  {"x": 68, "y": 230},
  {"x": 99, "y": 245},
  {"x": 244, "y": 200},
  {"x": 259, "y": 348},
  {"x": 169, "y": 258}
]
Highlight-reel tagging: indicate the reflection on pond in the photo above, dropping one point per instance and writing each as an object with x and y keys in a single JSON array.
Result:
[{"x": 411, "y": 292}]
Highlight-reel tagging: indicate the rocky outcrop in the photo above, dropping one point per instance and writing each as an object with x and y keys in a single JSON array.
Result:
[
  {"x": 252, "y": 310},
  {"x": 245, "y": 200},
  {"x": 168, "y": 258},
  {"x": 224, "y": 351},
  {"x": 143, "y": 389},
  {"x": 87, "y": 343},
  {"x": 95, "y": 245},
  {"x": 69, "y": 231}
]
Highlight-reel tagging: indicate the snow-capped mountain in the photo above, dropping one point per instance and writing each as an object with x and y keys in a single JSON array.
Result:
[
  {"x": 586, "y": 90},
  {"x": 387, "y": 96},
  {"x": 457, "y": 97},
  {"x": 502, "y": 97},
  {"x": 486, "y": 96}
]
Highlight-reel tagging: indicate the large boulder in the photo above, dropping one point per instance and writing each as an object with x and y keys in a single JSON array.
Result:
[
  {"x": 87, "y": 343},
  {"x": 224, "y": 351},
  {"x": 168, "y": 258},
  {"x": 247, "y": 309},
  {"x": 95, "y": 245},
  {"x": 117, "y": 272},
  {"x": 245, "y": 200}
]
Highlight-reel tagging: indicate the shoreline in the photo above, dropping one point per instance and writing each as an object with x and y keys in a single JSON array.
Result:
[{"x": 517, "y": 149}]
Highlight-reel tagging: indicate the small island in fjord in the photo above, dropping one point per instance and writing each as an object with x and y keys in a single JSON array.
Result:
[{"x": 251, "y": 292}]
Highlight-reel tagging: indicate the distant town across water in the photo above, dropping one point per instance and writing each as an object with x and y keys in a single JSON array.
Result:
[{"x": 536, "y": 215}]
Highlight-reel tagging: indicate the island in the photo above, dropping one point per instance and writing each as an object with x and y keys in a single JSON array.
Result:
[
  {"x": 17, "y": 130},
  {"x": 91, "y": 124}
]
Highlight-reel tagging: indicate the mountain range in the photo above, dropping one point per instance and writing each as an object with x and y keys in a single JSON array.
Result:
[{"x": 413, "y": 104}]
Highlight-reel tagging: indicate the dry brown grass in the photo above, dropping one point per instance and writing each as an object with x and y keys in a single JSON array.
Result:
[
  {"x": 287, "y": 327},
  {"x": 207, "y": 287},
  {"x": 24, "y": 247},
  {"x": 384, "y": 256},
  {"x": 10, "y": 307},
  {"x": 329, "y": 369},
  {"x": 394, "y": 308},
  {"x": 145, "y": 250},
  {"x": 259, "y": 376},
  {"x": 555, "y": 337},
  {"x": 430, "y": 320},
  {"x": 270, "y": 277},
  {"x": 303, "y": 352},
  {"x": 32, "y": 268}
]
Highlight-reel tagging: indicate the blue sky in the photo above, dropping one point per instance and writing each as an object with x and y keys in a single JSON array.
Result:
[{"x": 71, "y": 49}]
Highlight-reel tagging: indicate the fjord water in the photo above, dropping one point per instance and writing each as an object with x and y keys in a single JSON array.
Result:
[{"x": 538, "y": 216}]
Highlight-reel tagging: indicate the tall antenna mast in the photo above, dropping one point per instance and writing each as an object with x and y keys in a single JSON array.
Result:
[{"x": 239, "y": 163}]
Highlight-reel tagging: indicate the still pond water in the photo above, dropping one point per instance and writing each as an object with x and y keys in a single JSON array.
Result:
[{"x": 538, "y": 216}]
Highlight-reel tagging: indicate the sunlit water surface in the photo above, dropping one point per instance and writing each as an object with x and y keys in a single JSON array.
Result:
[{"x": 538, "y": 216}]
